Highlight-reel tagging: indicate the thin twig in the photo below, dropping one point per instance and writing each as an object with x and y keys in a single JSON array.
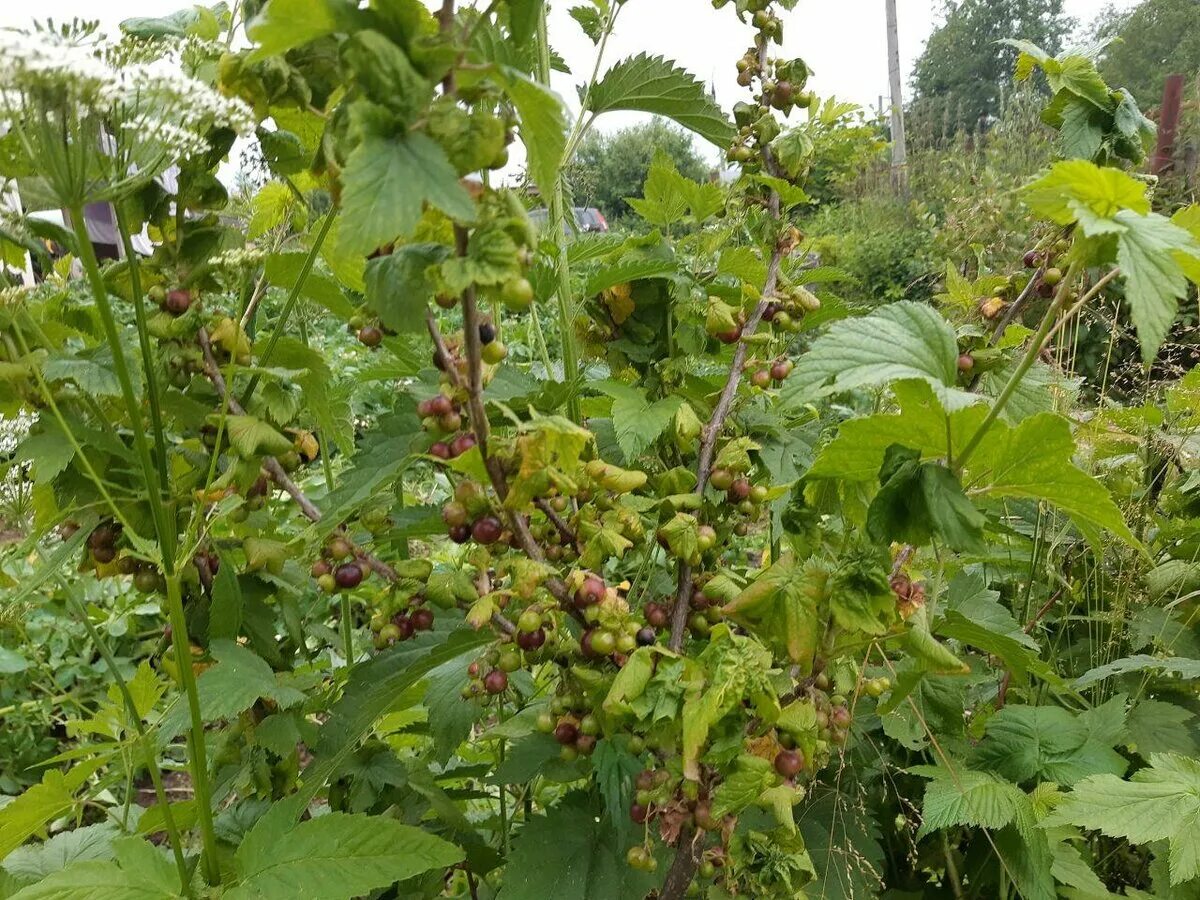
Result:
[
  {"x": 1016, "y": 307},
  {"x": 1083, "y": 301},
  {"x": 557, "y": 521},
  {"x": 712, "y": 431},
  {"x": 281, "y": 477}
]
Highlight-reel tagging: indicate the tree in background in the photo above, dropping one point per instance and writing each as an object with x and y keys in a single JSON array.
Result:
[
  {"x": 610, "y": 167},
  {"x": 1149, "y": 42},
  {"x": 961, "y": 75}
]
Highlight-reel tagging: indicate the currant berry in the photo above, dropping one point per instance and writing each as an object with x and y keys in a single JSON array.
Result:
[
  {"x": 590, "y": 592},
  {"x": 348, "y": 575},
  {"x": 462, "y": 444},
  {"x": 739, "y": 490},
  {"x": 495, "y": 681},
  {"x": 566, "y": 733},
  {"x": 455, "y": 513},
  {"x": 178, "y": 302},
  {"x": 788, "y": 763},
  {"x": 721, "y": 479},
  {"x": 487, "y": 530}
]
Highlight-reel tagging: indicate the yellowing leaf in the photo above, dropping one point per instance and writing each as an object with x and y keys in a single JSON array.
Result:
[{"x": 1076, "y": 183}]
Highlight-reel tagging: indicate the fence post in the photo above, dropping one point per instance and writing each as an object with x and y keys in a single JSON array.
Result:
[{"x": 1168, "y": 124}]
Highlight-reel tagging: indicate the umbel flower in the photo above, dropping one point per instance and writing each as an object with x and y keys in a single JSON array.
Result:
[{"x": 98, "y": 119}]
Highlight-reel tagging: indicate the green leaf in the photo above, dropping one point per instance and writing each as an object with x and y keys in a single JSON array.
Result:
[
  {"x": 1078, "y": 75},
  {"x": 285, "y": 24},
  {"x": 842, "y": 838},
  {"x": 337, "y": 856},
  {"x": 1079, "y": 185},
  {"x": 1080, "y": 136},
  {"x": 857, "y": 453},
  {"x": 543, "y": 128},
  {"x": 969, "y": 597},
  {"x": 140, "y": 872},
  {"x": 793, "y": 149},
  {"x": 967, "y": 797},
  {"x": 1187, "y": 668},
  {"x": 12, "y": 662},
  {"x": 663, "y": 201},
  {"x": 1155, "y": 726},
  {"x": 385, "y": 184},
  {"x": 1044, "y": 743},
  {"x": 94, "y": 376},
  {"x": 371, "y": 692},
  {"x": 270, "y": 208},
  {"x": 615, "y": 770},
  {"x": 654, "y": 85},
  {"x": 235, "y": 683},
  {"x": 33, "y": 862},
  {"x": 450, "y": 716},
  {"x": 1034, "y": 461},
  {"x": 901, "y": 340},
  {"x": 917, "y": 501},
  {"x": 637, "y": 421},
  {"x": 1158, "y": 803},
  {"x": 399, "y": 288},
  {"x": 523, "y": 18},
  {"x": 1016, "y": 655},
  {"x": 681, "y": 535},
  {"x": 52, "y": 797},
  {"x": 197, "y": 20},
  {"x": 225, "y": 616},
  {"x": 283, "y": 270},
  {"x": 781, "y": 607},
  {"x": 253, "y": 437},
  {"x": 860, "y": 597},
  {"x": 526, "y": 758},
  {"x": 1155, "y": 254},
  {"x": 571, "y": 854},
  {"x": 920, "y": 642},
  {"x": 735, "y": 454},
  {"x": 48, "y": 449},
  {"x": 751, "y": 776},
  {"x": 1154, "y": 280}
]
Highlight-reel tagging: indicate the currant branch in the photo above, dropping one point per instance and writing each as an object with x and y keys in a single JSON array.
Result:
[{"x": 277, "y": 473}]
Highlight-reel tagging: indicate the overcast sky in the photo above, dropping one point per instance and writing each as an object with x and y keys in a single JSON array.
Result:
[{"x": 843, "y": 41}]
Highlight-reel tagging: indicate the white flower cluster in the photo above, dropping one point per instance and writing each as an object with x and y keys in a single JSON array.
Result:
[
  {"x": 15, "y": 486},
  {"x": 238, "y": 259},
  {"x": 154, "y": 108},
  {"x": 15, "y": 429}
]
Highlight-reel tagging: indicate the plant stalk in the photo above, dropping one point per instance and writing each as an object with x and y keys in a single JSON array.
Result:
[
  {"x": 135, "y": 717},
  {"x": 197, "y": 752},
  {"x": 91, "y": 266},
  {"x": 149, "y": 358},
  {"x": 1027, "y": 361},
  {"x": 289, "y": 304},
  {"x": 558, "y": 225}
]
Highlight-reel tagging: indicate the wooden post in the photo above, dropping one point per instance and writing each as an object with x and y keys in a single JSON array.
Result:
[
  {"x": 1168, "y": 125},
  {"x": 899, "y": 145}
]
